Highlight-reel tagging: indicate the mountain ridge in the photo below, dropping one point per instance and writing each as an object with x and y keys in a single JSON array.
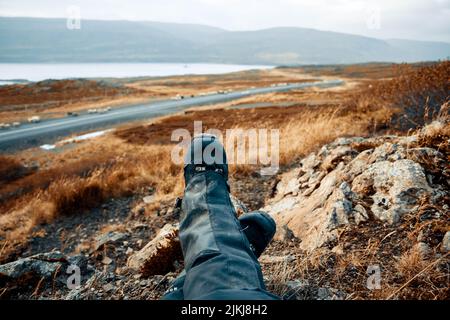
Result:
[{"x": 49, "y": 40}]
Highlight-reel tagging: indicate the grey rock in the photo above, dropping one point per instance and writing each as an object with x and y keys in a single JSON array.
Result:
[
  {"x": 148, "y": 199},
  {"x": 330, "y": 294},
  {"x": 310, "y": 162},
  {"x": 346, "y": 141},
  {"x": 143, "y": 283},
  {"x": 283, "y": 205},
  {"x": 388, "y": 151},
  {"x": 397, "y": 187},
  {"x": 297, "y": 290},
  {"x": 305, "y": 176},
  {"x": 358, "y": 165},
  {"x": 43, "y": 265},
  {"x": 286, "y": 234},
  {"x": 446, "y": 242},
  {"x": 108, "y": 287},
  {"x": 360, "y": 214},
  {"x": 340, "y": 212},
  {"x": 335, "y": 156},
  {"x": 346, "y": 190},
  {"x": 424, "y": 249},
  {"x": 109, "y": 237},
  {"x": 289, "y": 183},
  {"x": 315, "y": 218},
  {"x": 238, "y": 205},
  {"x": 266, "y": 259},
  {"x": 79, "y": 260}
]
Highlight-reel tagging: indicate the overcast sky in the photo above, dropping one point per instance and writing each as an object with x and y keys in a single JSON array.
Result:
[{"x": 408, "y": 19}]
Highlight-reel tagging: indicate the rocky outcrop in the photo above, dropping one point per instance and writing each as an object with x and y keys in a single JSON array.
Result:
[
  {"x": 397, "y": 186},
  {"x": 352, "y": 180}
]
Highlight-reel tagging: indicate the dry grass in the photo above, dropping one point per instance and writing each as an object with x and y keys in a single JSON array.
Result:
[
  {"x": 302, "y": 136},
  {"x": 360, "y": 71},
  {"x": 281, "y": 273},
  {"x": 411, "y": 262},
  {"x": 414, "y": 97},
  {"x": 129, "y": 170},
  {"x": 11, "y": 169},
  {"x": 195, "y": 84}
]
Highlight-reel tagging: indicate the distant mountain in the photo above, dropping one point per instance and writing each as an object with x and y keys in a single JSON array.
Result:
[{"x": 48, "y": 40}]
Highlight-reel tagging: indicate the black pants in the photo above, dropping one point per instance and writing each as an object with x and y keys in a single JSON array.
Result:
[{"x": 219, "y": 263}]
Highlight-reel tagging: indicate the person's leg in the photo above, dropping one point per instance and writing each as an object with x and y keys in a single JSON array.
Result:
[
  {"x": 259, "y": 229},
  {"x": 219, "y": 262}
]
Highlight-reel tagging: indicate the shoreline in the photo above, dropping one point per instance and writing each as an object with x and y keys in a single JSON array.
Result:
[{"x": 123, "y": 71}]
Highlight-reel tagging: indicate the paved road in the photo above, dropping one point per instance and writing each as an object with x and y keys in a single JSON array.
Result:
[{"x": 47, "y": 131}]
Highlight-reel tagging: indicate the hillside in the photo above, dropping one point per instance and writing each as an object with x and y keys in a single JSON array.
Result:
[
  {"x": 48, "y": 40},
  {"x": 336, "y": 222},
  {"x": 362, "y": 190}
]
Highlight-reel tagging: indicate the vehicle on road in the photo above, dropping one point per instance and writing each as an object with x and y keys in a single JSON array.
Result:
[
  {"x": 34, "y": 119},
  {"x": 16, "y": 124},
  {"x": 178, "y": 97},
  {"x": 72, "y": 114},
  {"x": 91, "y": 111}
]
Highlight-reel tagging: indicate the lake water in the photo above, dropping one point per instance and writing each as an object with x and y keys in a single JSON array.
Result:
[{"x": 11, "y": 72}]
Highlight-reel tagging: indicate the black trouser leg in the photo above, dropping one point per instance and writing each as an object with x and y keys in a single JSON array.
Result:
[{"x": 219, "y": 263}]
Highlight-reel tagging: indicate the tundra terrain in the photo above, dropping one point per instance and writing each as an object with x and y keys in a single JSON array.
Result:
[{"x": 362, "y": 189}]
